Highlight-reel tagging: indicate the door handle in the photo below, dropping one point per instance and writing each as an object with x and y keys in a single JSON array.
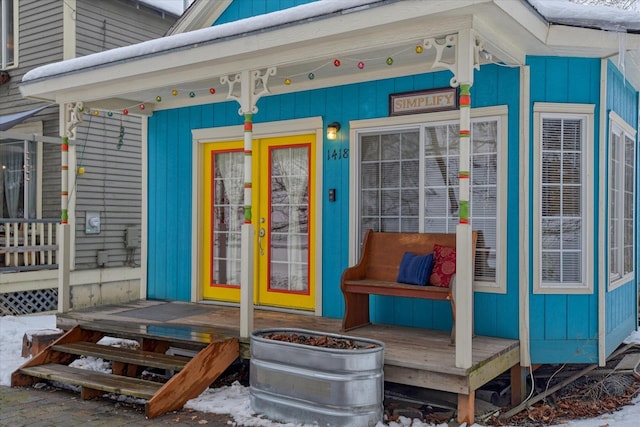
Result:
[{"x": 261, "y": 234}]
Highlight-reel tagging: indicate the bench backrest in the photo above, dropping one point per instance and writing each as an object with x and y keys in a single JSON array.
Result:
[{"x": 384, "y": 251}]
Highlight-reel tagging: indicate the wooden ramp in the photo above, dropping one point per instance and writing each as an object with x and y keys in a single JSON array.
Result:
[{"x": 213, "y": 354}]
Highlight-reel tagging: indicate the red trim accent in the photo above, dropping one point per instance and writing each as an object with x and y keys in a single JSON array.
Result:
[
  {"x": 212, "y": 225},
  {"x": 309, "y": 207},
  {"x": 248, "y": 126},
  {"x": 65, "y": 147},
  {"x": 465, "y": 100}
]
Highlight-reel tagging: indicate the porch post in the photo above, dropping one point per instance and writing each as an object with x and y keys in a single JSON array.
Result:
[
  {"x": 247, "y": 248},
  {"x": 70, "y": 118},
  {"x": 253, "y": 84},
  {"x": 464, "y": 269},
  {"x": 64, "y": 232}
]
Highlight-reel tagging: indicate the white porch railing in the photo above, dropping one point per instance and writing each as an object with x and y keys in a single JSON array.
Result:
[{"x": 28, "y": 244}]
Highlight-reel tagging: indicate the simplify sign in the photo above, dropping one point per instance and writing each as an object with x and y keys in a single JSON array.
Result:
[{"x": 423, "y": 101}]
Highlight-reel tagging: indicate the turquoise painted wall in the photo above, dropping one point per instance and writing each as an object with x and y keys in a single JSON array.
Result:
[
  {"x": 621, "y": 316},
  {"x": 564, "y": 328},
  {"x": 170, "y": 169},
  {"x": 240, "y": 9}
]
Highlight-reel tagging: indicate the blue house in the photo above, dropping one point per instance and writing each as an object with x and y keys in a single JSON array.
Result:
[{"x": 244, "y": 181}]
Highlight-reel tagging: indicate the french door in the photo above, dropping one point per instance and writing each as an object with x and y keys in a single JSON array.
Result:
[{"x": 282, "y": 214}]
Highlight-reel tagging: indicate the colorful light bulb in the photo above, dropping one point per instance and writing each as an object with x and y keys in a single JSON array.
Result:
[
  {"x": 361, "y": 65},
  {"x": 311, "y": 76},
  {"x": 158, "y": 98},
  {"x": 336, "y": 62},
  {"x": 125, "y": 111},
  {"x": 192, "y": 94},
  {"x": 389, "y": 61},
  {"x": 419, "y": 49},
  {"x": 174, "y": 92},
  {"x": 287, "y": 81},
  {"x": 212, "y": 91}
]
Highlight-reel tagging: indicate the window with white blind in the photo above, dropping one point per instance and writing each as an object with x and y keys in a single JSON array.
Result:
[
  {"x": 8, "y": 33},
  {"x": 563, "y": 145},
  {"x": 408, "y": 182},
  {"x": 621, "y": 201}
]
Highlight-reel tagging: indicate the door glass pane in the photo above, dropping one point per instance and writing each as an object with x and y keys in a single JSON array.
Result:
[
  {"x": 228, "y": 216},
  {"x": 289, "y": 219},
  {"x": 12, "y": 182}
]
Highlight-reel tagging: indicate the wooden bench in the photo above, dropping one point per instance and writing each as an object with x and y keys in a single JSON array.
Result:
[{"x": 377, "y": 271}]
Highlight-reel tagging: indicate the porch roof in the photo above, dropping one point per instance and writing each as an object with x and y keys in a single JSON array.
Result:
[{"x": 306, "y": 39}]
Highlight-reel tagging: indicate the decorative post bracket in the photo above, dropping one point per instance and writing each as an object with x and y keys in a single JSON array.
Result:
[
  {"x": 252, "y": 85},
  {"x": 451, "y": 41},
  {"x": 72, "y": 118}
]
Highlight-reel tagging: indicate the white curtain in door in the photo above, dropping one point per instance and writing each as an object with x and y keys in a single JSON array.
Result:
[
  {"x": 293, "y": 164},
  {"x": 231, "y": 169},
  {"x": 12, "y": 174}
]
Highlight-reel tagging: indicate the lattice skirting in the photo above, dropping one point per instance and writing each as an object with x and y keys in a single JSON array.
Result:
[{"x": 28, "y": 302}]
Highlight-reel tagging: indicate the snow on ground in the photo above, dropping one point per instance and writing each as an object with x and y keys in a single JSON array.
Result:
[{"x": 234, "y": 400}]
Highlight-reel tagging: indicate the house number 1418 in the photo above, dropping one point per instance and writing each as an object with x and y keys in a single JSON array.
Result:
[{"x": 338, "y": 154}]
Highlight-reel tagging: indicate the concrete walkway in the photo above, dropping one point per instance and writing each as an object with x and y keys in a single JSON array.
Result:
[{"x": 49, "y": 407}]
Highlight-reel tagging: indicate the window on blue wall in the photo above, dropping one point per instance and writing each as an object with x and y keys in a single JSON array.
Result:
[
  {"x": 408, "y": 182},
  {"x": 562, "y": 156},
  {"x": 621, "y": 200},
  {"x": 8, "y": 34}
]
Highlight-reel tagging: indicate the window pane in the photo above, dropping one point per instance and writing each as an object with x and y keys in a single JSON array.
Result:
[
  {"x": 228, "y": 216},
  {"x": 561, "y": 222},
  {"x": 7, "y": 34},
  {"x": 391, "y": 167},
  {"x": 389, "y": 164}
]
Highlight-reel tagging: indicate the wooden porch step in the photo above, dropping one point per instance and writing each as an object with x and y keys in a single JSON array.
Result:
[
  {"x": 94, "y": 380},
  {"x": 191, "y": 376},
  {"x": 146, "y": 359}
]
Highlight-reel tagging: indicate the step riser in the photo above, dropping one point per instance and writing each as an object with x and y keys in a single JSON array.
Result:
[{"x": 192, "y": 377}]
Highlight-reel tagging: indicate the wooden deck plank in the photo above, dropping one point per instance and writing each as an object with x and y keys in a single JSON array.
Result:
[
  {"x": 94, "y": 380},
  {"x": 118, "y": 354},
  {"x": 413, "y": 356}
]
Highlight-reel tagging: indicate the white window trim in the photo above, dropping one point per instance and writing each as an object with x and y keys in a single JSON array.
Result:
[
  {"x": 419, "y": 120},
  {"x": 586, "y": 112},
  {"x": 618, "y": 125},
  {"x": 16, "y": 33}
]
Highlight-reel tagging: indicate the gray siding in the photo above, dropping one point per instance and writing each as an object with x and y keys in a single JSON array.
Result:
[
  {"x": 40, "y": 42},
  {"x": 108, "y": 24},
  {"x": 110, "y": 186}
]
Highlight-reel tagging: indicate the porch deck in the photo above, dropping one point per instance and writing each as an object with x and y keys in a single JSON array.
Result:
[{"x": 413, "y": 356}]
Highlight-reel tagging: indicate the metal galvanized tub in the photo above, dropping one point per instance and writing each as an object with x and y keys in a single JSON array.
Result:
[{"x": 292, "y": 382}]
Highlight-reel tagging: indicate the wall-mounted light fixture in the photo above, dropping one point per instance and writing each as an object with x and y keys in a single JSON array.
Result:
[{"x": 332, "y": 130}]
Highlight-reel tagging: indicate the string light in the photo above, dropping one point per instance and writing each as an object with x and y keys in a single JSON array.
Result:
[{"x": 310, "y": 75}]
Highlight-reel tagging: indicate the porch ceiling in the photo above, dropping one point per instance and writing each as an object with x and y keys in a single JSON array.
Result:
[{"x": 508, "y": 28}]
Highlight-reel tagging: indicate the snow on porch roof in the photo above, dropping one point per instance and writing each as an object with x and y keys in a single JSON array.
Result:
[
  {"x": 206, "y": 35},
  {"x": 537, "y": 39},
  {"x": 554, "y": 11}
]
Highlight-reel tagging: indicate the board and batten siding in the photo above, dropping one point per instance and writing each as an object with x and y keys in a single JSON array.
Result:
[
  {"x": 621, "y": 317},
  {"x": 170, "y": 156},
  {"x": 564, "y": 327},
  {"x": 240, "y": 9}
]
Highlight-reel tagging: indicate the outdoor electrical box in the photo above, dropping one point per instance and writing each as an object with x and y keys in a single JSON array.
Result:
[
  {"x": 92, "y": 223},
  {"x": 132, "y": 237}
]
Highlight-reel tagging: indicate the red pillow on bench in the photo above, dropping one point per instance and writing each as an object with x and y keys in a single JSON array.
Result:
[{"x": 444, "y": 266}]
